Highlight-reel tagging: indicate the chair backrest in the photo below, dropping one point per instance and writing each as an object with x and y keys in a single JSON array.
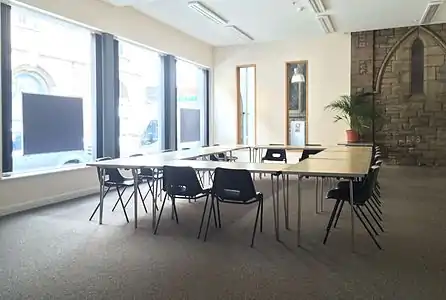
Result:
[
  {"x": 307, "y": 152},
  {"x": 234, "y": 185},
  {"x": 143, "y": 171},
  {"x": 113, "y": 174},
  {"x": 181, "y": 181},
  {"x": 213, "y": 157},
  {"x": 275, "y": 155},
  {"x": 366, "y": 190}
]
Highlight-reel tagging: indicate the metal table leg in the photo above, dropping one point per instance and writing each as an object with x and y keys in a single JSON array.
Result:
[
  {"x": 352, "y": 214},
  {"x": 299, "y": 211},
  {"x": 287, "y": 209},
  {"x": 155, "y": 196},
  {"x": 135, "y": 194},
  {"x": 101, "y": 193},
  {"x": 322, "y": 194},
  {"x": 278, "y": 207},
  {"x": 317, "y": 194},
  {"x": 274, "y": 204}
]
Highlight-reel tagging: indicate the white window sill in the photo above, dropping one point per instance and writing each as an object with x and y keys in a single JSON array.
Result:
[{"x": 11, "y": 176}]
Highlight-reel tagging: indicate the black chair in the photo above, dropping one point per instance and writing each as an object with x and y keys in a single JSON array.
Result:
[
  {"x": 234, "y": 187},
  {"x": 307, "y": 152},
  {"x": 362, "y": 193},
  {"x": 114, "y": 179},
  {"x": 275, "y": 155},
  {"x": 180, "y": 183}
]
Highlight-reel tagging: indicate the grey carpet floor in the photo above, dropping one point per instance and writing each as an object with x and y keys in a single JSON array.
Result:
[{"x": 56, "y": 253}]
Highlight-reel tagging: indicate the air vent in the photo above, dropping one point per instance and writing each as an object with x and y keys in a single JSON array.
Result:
[{"x": 430, "y": 12}]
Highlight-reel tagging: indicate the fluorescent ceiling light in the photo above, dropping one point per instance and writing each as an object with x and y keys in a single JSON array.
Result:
[
  {"x": 430, "y": 12},
  {"x": 317, "y": 5},
  {"x": 240, "y": 32},
  {"x": 326, "y": 23},
  {"x": 207, "y": 12}
]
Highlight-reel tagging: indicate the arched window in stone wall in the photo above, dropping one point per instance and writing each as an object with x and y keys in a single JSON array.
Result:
[{"x": 417, "y": 67}]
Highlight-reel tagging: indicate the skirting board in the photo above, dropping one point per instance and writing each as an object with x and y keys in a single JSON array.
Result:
[{"x": 47, "y": 201}]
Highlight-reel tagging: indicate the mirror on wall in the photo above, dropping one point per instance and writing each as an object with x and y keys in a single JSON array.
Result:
[{"x": 296, "y": 99}]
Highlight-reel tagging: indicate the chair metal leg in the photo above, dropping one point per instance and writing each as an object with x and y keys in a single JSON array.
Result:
[
  {"x": 202, "y": 216},
  {"x": 255, "y": 224},
  {"x": 285, "y": 204},
  {"x": 374, "y": 218},
  {"x": 142, "y": 200},
  {"x": 218, "y": 212},
  {"x": 374, "y": 210},
  {"x": 338, "y": 214},
  {"x": 367, "y": 220},
  {"x": 174, "y": 209},
  {"x": 330, "y": 222},
  {"x": 117, "y": 201},
  {"x": 368, "y": 230},
  {"x": 209, "y": 218},
  {"x": 160, "y": 215},
  {"x": 122, "y": 204},
  {"x": 99, "y": 204},
  {"x": 94, "y": 212}
]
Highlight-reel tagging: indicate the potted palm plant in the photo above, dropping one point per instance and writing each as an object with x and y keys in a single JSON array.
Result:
[{"x": 356, "y": 111}]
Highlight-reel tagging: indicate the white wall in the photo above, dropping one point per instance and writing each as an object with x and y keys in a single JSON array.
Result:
[
  {"x": 27, "y": 192},
  {"x": 329, "y": 77}
]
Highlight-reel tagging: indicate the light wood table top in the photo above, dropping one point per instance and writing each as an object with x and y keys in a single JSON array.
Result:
[
  {"x": 329, "y": 168},
  {"x": 206, "y": 165}
]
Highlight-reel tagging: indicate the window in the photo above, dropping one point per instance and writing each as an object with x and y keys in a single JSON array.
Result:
[
  {"x": 246, "y": 92},
  {"x": 140, "y": 100},
  {"x": 417, "y": 71},
  {"x": 191, "y": 105},
  {"x": 296, "y": 111},
  {"x": 52, "y": 92}
]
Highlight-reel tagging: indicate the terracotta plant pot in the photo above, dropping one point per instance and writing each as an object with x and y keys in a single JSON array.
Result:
[{"x": 352, "y": 136}]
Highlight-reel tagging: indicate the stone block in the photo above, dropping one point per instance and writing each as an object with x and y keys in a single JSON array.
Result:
[
  {"x": 433, "y": 106},
  {"x": 401, "y": 66},
  {"x": 430, "y": 73},
  {"x": 434, "y": 60},
  {"x": 434, "y": 50},
  {"x": 407, "y": 113},
  {"x": 393, "y": 80},
  {"x": 404, "y": 77}
]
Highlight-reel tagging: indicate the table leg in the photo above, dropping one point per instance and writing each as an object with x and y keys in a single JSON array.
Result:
[
  {"x": 299, "y": 211},
  {"x": 287, "y": 202},
  {"x": 317, "y": 194},
  {"x": 155, "y": 197},
  {"x": 352, "y": 214},
  {"x": 135, "y": 194},
  {"x": 322, "y": 194},
  {"x": 274, "y": 206},
  {"x": 278, "y": 207},
  {"x": 101, "y": 193},
  {"x": 250, "y": 154}
]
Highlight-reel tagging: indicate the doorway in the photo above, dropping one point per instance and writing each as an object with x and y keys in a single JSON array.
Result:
[{"x": 246, "y": 105}]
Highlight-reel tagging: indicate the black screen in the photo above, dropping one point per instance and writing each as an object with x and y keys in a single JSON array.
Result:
[
  {"x": 190, "y": 125},
  {"x": 52, "y": 124}
]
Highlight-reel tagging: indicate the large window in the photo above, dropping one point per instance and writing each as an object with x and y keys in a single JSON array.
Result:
[
  {"x": 140, "y": 99},
  {"x": 191, "y": 105},
  {"x": 52, "y": 92}
]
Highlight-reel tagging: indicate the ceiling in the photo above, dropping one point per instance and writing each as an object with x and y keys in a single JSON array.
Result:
[{"x": 272, "y": 20}]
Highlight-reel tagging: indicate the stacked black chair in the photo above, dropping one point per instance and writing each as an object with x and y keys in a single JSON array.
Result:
[
  {"x": 362, "y": 194},
  {"x": 180, "y": 183},
  {"x": 114, "y": 179},
  {"x": 233, "y": 187}
]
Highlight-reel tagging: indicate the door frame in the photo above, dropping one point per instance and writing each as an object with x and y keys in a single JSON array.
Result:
[
  {"x": 237, "y": 78},
  {"x": 287, "y": 95}
]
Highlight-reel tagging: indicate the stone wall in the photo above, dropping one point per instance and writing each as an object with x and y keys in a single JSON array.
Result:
[{"x": 412, "y": 127}]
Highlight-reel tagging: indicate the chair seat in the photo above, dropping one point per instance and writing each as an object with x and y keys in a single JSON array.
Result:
[
  {"x": 344, "y": 194},
  {"x": 126, "y": 183},
  {"x": 186, "y": 195},
  {"x": 344, "y": 184},
  {"x": 236, "y": 200}
]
